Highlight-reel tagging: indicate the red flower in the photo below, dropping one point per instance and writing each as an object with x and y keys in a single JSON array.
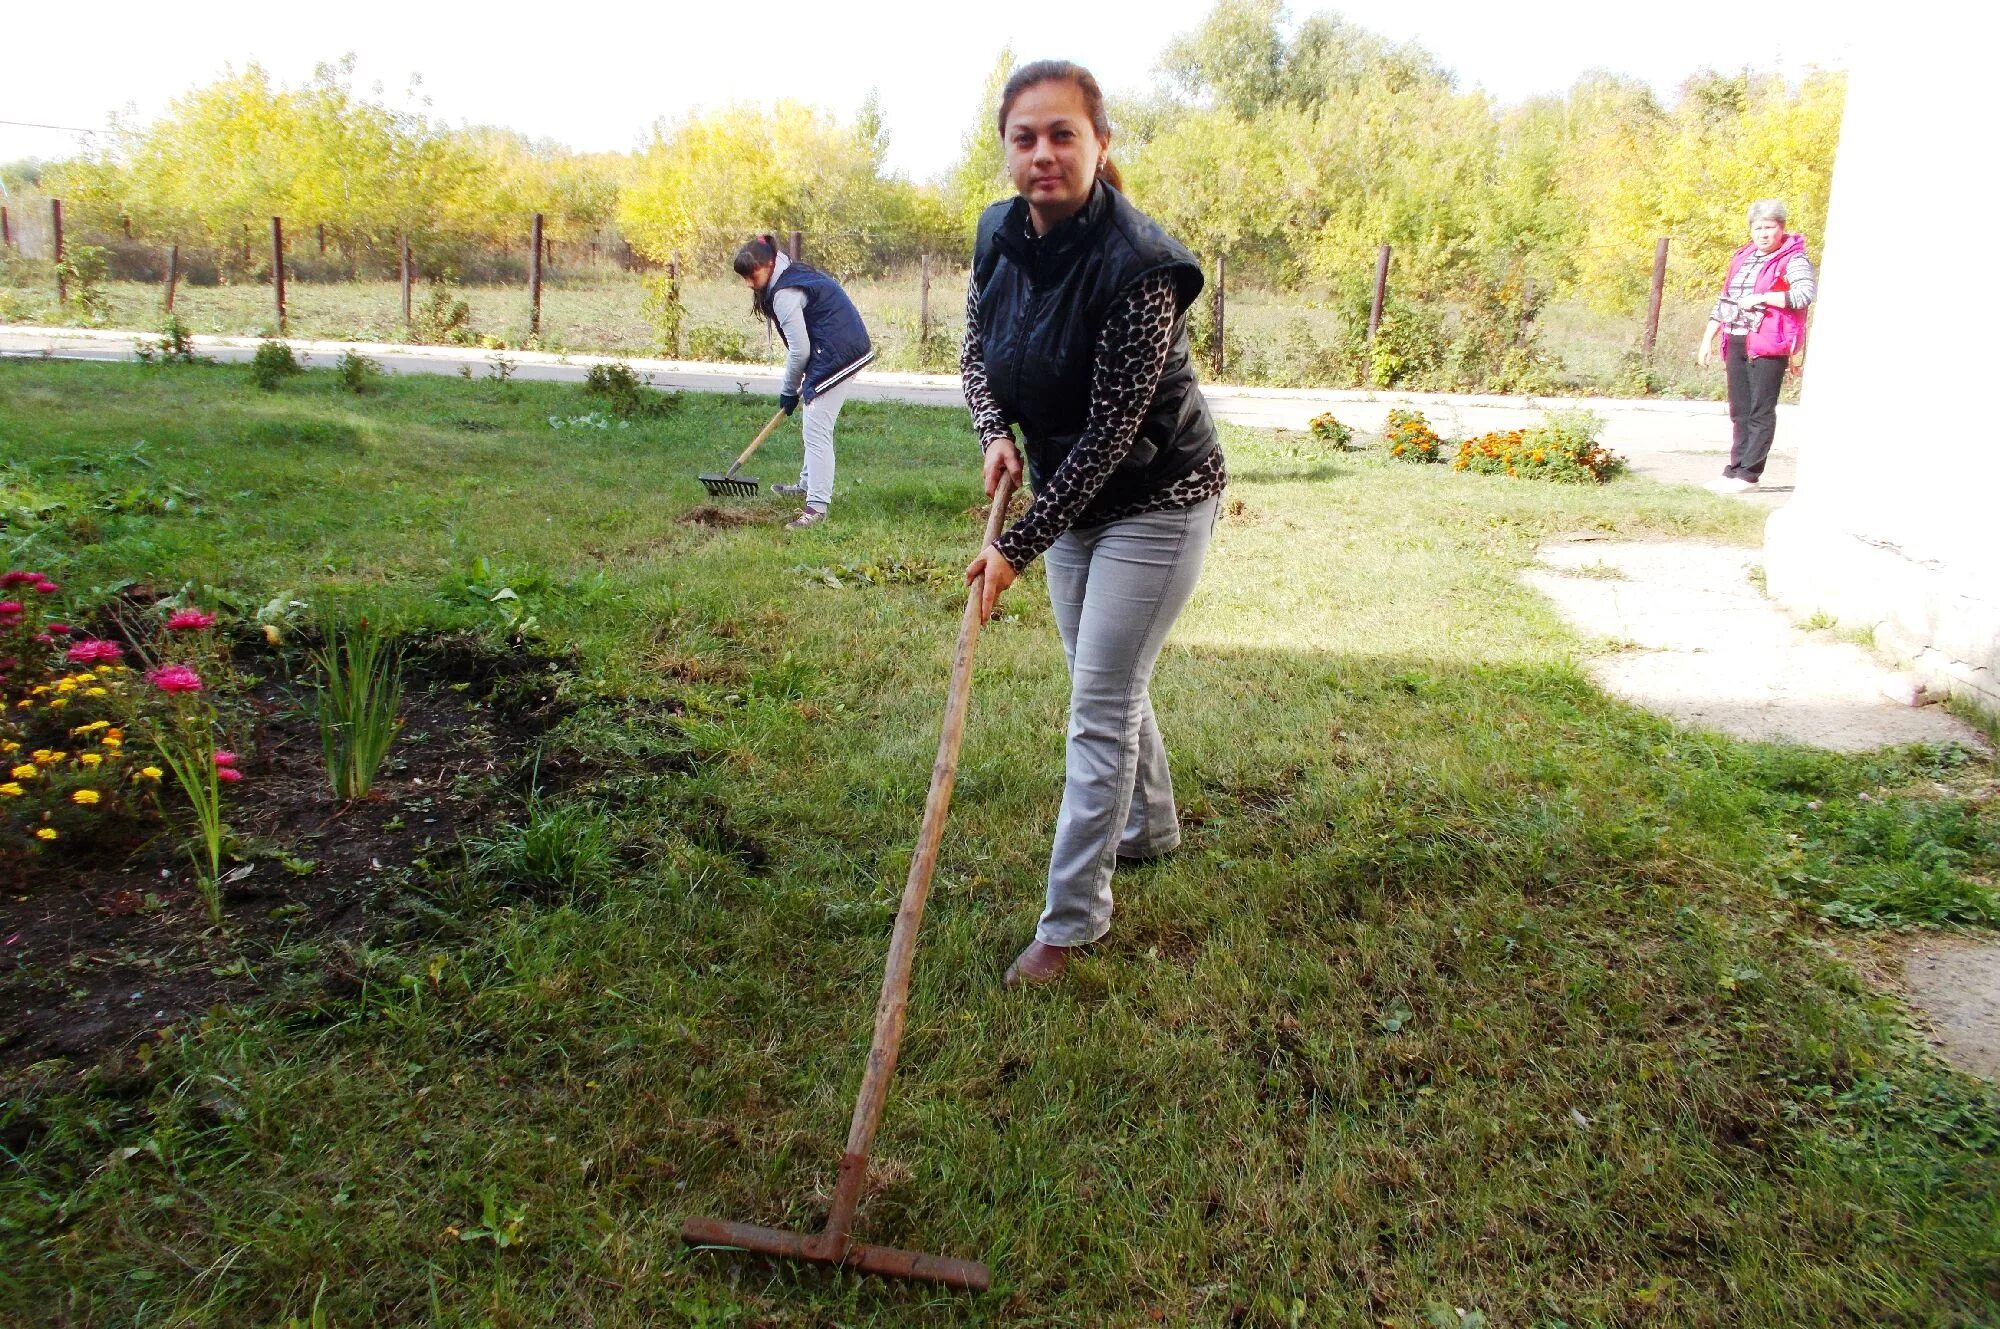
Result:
[
  {"x": 59, "y": 629},
  {"x": 96, "y": 652},
  {"x": 175, "y": 678},
  {"x": 10, "y": 607},
  {"x": 19, "y": 578},
  {"x": 189, "y": 620},
  {"x": 46, "y": 588},
  {"x": 225, "y": 759},
  {"x": 228, "y": 774}
]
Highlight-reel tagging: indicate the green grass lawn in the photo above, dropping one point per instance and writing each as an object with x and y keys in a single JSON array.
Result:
[{"x": 1472, "y": 989}]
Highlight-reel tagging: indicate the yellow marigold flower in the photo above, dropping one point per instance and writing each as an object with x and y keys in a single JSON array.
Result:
[
  {"x": 24, "y": 772},
  {"x": 24, "y": 705},
  {"x": 91, "y": 758},
  {"x": 112, "y": 735},
  {"x": 11, "y": 790},
  {"x": 84, "y": 796},
  {"x": 150, "y": 772},
  {"x": 95, "y": 692},
  {"x": 10, "y": 746},
  {"x": 111, "y": 742},
  {"x": 44, "y": 757},
  {"x": 58, "y": 703},
  {"x": 46, "y": 833},
  {"x": 92, "y": 727}
]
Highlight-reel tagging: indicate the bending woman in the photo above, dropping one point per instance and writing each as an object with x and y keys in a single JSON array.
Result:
[
  {"x": 826, "y": 344},
  {"x": 1075, "y": 331}
]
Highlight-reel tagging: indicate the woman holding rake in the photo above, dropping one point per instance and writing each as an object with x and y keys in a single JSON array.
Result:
[
  {"x": 826, "y": 345},
  {"x": 1076, "y": 332}
]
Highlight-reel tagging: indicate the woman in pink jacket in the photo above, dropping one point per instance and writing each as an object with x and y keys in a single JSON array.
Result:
[{"x": 1761, "y": 316}]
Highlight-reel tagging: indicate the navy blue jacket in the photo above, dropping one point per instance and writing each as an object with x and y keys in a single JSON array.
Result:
[{"x": 840, "y": 345}]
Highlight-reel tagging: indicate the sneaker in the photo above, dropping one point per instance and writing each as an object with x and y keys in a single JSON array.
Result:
[
  {"x": 1730, "y": 484},
  {"x": 789, "y": 491},
  {"x": 809, "y": 517}
]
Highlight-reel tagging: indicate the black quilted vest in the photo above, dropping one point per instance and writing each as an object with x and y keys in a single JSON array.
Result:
[{"x": 1042, "y": 302}]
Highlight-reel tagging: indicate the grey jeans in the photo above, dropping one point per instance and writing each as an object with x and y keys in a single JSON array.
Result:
[{"x": 1117, "y": 590}]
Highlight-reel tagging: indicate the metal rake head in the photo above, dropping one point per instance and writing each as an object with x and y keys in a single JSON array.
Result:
[{"x": 729, "y": 486}]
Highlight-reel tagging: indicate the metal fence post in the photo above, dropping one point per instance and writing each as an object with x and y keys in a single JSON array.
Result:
[
  {"x": 408, "y": 274},
  {"x": 173, "y": 275},
  {"x": 1221, "y": 307},
  {"x": 796, "y": 246}
]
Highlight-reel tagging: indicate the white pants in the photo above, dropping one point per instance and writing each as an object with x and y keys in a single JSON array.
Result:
[{"x": 817, "y": 473}]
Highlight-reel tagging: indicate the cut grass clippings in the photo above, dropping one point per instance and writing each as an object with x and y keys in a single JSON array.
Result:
[{"x": 1470, "y": 989}]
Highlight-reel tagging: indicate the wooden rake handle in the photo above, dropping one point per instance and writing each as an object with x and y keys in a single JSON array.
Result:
[
  {"x": 755, "y": 443},
  {"x": 894, "y": 1004}
]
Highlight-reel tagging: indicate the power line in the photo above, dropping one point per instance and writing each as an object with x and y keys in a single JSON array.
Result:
[{"x": 30, "y": 124}]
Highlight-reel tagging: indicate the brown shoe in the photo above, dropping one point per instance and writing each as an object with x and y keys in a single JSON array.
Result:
[{"x": 1036, "y": 966}]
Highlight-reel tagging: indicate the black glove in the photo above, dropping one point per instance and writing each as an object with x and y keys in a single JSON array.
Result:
[{"x": 788, "y": 402}]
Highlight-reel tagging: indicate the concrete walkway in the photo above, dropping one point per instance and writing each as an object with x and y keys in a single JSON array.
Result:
[
  {"x": 1671, "y": 441},
  {"x": 1699, "y": 642}
]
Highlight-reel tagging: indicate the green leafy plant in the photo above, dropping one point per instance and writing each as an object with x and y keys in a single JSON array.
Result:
[
  {"x": 360, "y": 693},
  {"x": 272, "y": 364},
  {"x": 174, "y": 347},
  {"x": 664, "y": 311},
  {"x": 628, "y": 395},
  {"x": 442, "y": 318},
  {"x": 356, "y": 371},
  {"x": 707, "y": 342},
  {"x": 82, "y": 271},
  {"x": 186, "y": 743}
]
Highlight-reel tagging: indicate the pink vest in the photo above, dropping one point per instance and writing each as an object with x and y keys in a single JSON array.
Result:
[{"x": 1779, "y": 330}]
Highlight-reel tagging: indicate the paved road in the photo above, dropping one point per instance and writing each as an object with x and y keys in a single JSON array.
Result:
[{"x": 1672, "y": 441}]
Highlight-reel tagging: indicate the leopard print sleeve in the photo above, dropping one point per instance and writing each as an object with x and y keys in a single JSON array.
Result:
[
  {"x": 1131, "y": 354},
  {"x": 987, "y": 421}
]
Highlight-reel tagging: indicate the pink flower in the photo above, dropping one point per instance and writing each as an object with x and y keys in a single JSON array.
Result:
[
  {"x": 189, "y": 620},
  {"x": 10, "y": 606},
  {"x": 45, "y": 639},
  {"x": 46, "y": 588},
  {"x": 228, "y": 774},
  {"x": 175, "y": 678},
  {"x": 60, "y": 629},
  {"x": 19, "y": 578},
  {"x": 96, "y": 652},
  {"x": 225, "y": 759}
]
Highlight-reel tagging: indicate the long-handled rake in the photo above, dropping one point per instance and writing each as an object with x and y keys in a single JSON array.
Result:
[
  {"x": 832, "y": 1245},
  {"x": 731, "y": 485}
]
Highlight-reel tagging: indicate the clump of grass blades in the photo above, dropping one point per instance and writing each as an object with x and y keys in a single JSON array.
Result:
[
  {"x": 559, "y": 847},
  {"x": 360, "y": 692}
]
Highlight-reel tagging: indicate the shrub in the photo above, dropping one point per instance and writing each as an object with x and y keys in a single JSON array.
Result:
[
  {"x": 708, "y": 342},
  {"x": 83, "y": 269},
  {"x": 1564, "y": 450},
  {"x": 1410, "y": 437},
  {"x": 443, "y": 318},
  {"x": 664, "y": 312},
  {"x": 175, "y": 346},
  {"x": 356, "y": 371},
  {"x": 626, "y": 394},
  {"x": 1332, "y": 432},
  {"x": 272, "y": 364}
]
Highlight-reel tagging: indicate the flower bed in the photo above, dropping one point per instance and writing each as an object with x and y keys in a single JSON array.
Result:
[
  {"x": 1410, "y": 437},
  {"x": 1565, "y": 450}
]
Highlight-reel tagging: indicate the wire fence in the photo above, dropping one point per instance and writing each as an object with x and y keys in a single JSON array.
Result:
[{"x": 595, "y": 293}]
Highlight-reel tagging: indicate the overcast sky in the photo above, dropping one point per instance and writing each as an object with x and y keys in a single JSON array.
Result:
[{"x": 596, "y": 75}]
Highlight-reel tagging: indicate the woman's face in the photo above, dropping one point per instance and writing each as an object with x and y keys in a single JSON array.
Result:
[
  {"x": 1052, "y": 148},
  {"x": 758, "y": 278},
  {"x": 1765, "y": 233}
]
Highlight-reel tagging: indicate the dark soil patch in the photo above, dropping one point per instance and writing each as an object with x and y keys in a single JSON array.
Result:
[
  {"x": 100, "y": 949},
  {"x": 711, "y": 514}
]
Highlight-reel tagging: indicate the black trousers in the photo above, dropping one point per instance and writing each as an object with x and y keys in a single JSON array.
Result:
[{"x": 1753, "y": 406}]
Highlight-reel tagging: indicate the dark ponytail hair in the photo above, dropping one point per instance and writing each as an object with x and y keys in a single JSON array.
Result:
[
  {"x": 1064, "y": 71},
  {"x": 755, "y": 254}
]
